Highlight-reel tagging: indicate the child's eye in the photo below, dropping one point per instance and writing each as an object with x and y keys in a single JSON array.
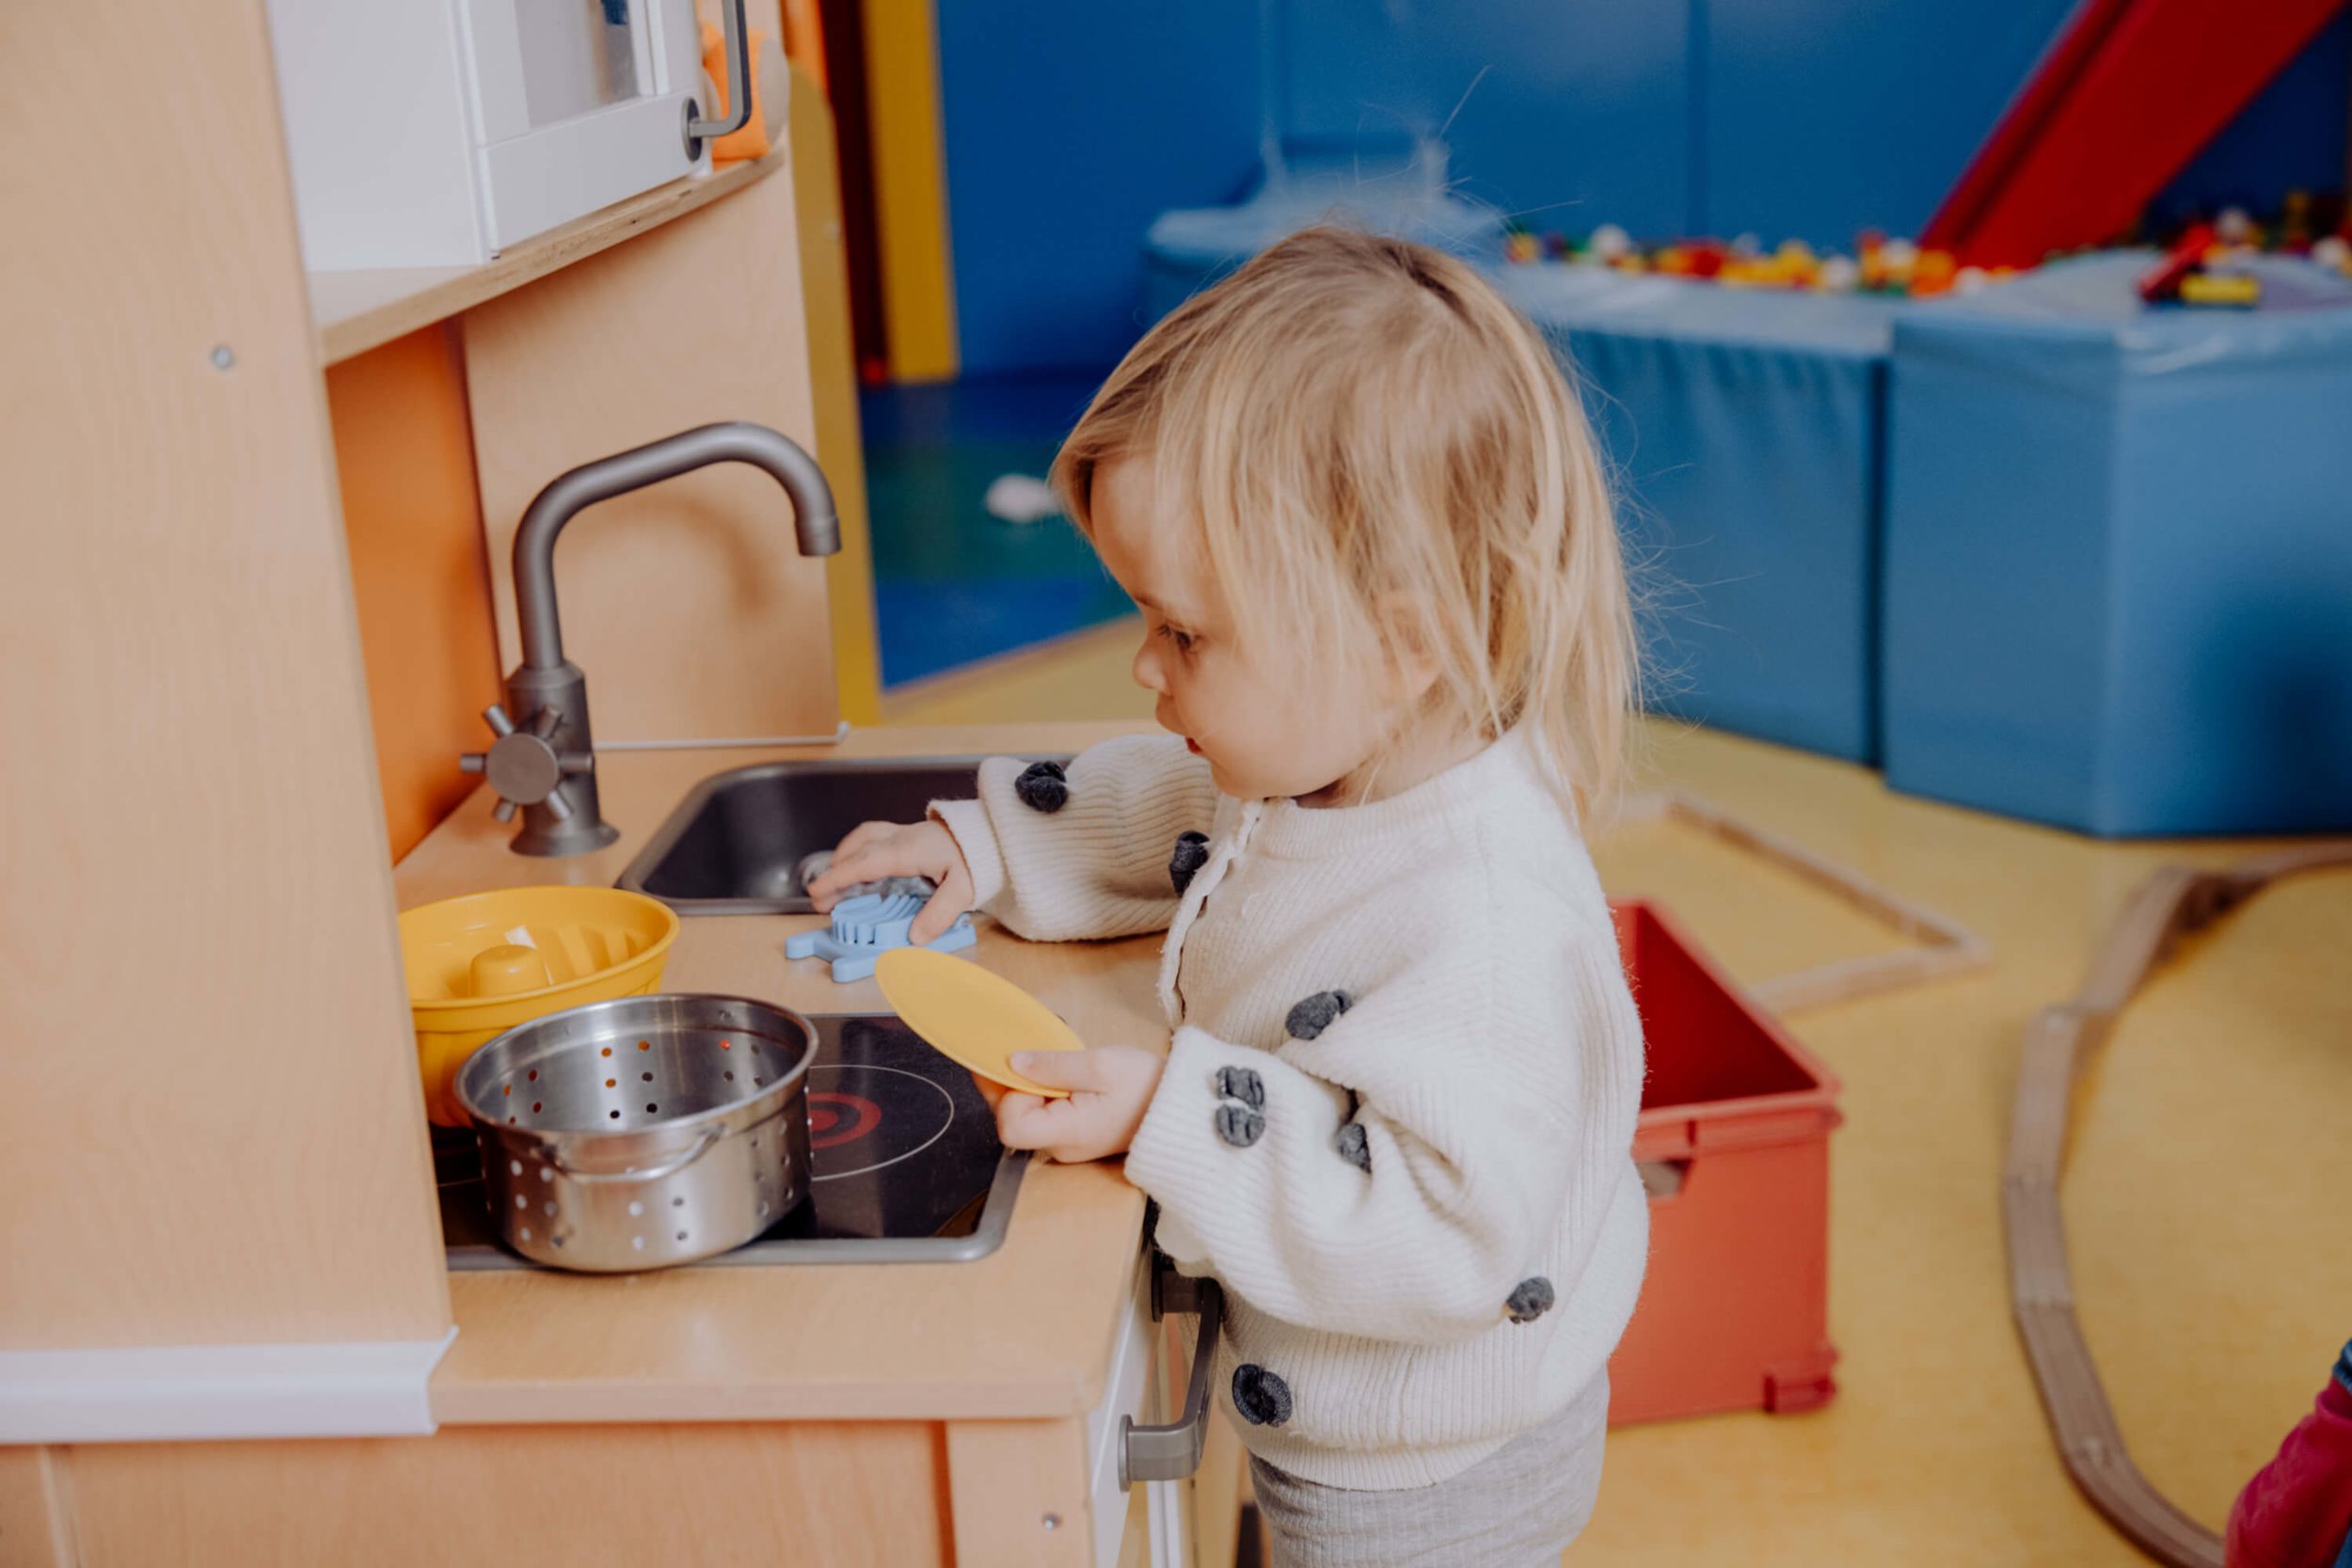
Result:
[{"x": 1181, "y": 640}]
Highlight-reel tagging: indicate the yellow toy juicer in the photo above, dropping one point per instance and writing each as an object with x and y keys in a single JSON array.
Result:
[{"x": 481, "y": 964}]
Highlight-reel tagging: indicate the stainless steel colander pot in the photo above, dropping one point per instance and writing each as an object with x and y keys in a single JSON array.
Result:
[{"x": 642, "y": 1131}]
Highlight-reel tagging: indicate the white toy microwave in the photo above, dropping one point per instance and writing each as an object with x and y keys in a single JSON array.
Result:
[{"x": 435, "y": 132}]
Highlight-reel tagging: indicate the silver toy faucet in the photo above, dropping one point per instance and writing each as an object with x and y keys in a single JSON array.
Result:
[{"x": 545, "y": 763}]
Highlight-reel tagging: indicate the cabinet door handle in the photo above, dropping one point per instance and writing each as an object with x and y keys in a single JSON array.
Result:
[
  {"x": 1172, "y": 1452},
  {"x": 739, "y": 84}
]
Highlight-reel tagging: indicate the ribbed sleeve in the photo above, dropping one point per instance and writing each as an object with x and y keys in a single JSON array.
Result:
[{"x": 1096, "y": 863}]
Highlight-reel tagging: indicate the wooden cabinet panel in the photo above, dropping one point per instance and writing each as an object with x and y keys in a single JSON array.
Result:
[
  {"x": 1020, "y": 1490},
  {"x": 211, "y": 1133},
  {"x": 688, "y": 604},
  {"x": 36, "y": 1515},
  {"x": 804, "y": 1495},
  {"x": 1217, "y": 1495},
  {"x": 833, "y": 377},
  {"x": 405, "y": 455}
]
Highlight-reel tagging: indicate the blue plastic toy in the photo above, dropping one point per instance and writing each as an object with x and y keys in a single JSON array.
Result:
[{"x": 867, "y": 927}]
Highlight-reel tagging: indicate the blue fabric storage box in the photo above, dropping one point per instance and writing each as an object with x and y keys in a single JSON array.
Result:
[
  {"x": 1744, "y": 426},
  {"x": 2118, "y": 570}
]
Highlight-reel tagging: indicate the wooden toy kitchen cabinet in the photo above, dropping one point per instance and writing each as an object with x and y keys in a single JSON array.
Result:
[{"x": 228, "y": 1333}]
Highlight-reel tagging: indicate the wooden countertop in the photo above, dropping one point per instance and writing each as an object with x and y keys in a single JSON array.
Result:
[{"x": 1024, "y": 1332}]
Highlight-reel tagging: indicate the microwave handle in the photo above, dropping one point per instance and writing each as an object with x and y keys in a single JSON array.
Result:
[{"x": 739, "y": 113}]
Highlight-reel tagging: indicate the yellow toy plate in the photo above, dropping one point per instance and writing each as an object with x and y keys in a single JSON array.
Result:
[{"x": 970, "y": 1016}]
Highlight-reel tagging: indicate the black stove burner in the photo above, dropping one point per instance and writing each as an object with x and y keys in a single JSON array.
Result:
[
  {"x": 838, "y": 1118},
  {"x": 888, "y": 1113},
  {"x": 900, "y": 1142},
  {"x": 902, "y": 1149}
]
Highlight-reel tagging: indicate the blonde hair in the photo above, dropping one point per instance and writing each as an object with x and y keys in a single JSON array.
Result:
[{"x": 1372, "y": 440}]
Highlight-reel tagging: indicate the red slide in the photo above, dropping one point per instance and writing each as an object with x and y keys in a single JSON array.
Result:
[{"x": 2130, "y": 91}]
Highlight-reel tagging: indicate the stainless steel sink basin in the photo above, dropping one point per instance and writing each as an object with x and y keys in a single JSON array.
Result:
[{"x": 734, "y": 846}]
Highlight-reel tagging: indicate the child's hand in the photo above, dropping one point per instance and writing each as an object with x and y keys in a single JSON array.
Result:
[
  {"x": 880, "y": 849},
  {"x": 1110, "y": 1088}
]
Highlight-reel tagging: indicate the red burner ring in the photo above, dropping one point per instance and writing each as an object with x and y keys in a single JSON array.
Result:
[{"x": 827, "y": 1113}]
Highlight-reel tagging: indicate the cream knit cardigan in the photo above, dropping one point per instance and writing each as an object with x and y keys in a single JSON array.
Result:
[{"x": 1397, "y": 1117}]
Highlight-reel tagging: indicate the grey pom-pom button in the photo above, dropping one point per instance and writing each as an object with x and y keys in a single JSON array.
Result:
[
  {"x": 1316, "y": 1014},
  {"x": 1354, "y": 1146},
  {"x": 1242, "y": 1084},
  {"x": 1239, "y": 1125},
  {"x": 1530, "y": 1299},
  {"x": 1192, "y": 853},
  {"x": 1043, "y": 786},
  {"x": 1262, "y": 1399}
]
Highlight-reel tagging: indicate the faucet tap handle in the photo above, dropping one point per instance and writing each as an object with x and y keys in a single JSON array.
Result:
[{"x": 523, "y": 764}]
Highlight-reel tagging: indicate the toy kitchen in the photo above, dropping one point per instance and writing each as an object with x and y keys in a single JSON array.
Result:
[{"x": 760, "y": 1281}]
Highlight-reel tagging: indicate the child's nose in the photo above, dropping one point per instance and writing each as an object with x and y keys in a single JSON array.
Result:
[{"x": 1145, "y": 669}]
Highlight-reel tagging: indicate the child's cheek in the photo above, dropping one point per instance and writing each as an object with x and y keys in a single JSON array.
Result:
[{"x": 1193, "y": 715}]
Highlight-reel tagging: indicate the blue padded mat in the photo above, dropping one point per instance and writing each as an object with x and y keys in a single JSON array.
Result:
[{"x": 1745, "y": 428}]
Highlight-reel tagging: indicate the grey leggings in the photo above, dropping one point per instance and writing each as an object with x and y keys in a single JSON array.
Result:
[{"x": 1517, "y": 1508}]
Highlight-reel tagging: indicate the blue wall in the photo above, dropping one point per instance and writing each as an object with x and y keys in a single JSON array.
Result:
[
  {"x": 1806, "y": 117},
  {"x": 1823, "y": 118},
  {"x": 1571, "y": 114},
  {"x": 1069, "y": 126}
]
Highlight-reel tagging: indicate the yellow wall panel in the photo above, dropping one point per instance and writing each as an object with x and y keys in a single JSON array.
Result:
[{"x": 910, "y": 188}]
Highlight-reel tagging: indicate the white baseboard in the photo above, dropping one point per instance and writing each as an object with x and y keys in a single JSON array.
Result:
[{"x": 207, "y": 1392}]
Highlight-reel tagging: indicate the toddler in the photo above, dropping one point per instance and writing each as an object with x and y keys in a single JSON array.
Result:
[
  {"x": 2296, "y": 1513},
  {"x": 1386, "y": 626}
]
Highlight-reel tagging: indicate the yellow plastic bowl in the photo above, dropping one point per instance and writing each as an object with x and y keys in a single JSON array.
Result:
[{"x": 467, "y": 982}]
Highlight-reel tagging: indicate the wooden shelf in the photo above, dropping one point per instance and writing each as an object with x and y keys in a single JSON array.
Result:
[{"x": 355, "y": 311}]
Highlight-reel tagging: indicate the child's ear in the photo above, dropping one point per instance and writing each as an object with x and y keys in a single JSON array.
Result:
[{"x": 1410, "y": 662}]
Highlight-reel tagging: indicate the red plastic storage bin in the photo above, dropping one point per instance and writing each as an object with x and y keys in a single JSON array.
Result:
[{"x": 1734, "y": 1145}]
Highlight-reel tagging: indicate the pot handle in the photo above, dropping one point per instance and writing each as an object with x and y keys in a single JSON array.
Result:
[{"x": 652, "y": 1173}]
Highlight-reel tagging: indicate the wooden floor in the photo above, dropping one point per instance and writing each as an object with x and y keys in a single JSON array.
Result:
[{"x": 2205, "y": 1200}]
